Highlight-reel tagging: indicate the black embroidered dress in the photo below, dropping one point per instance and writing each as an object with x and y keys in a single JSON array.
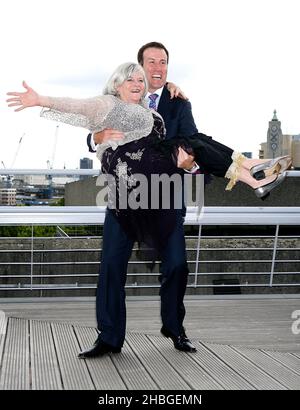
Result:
[{"x": 144, "y": 209}]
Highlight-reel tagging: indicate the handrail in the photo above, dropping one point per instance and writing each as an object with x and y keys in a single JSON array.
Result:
[
  {"x": 57, "y": 172},
  {"x": 94, "y": 215},
  {"x": 81, "y": 171}
]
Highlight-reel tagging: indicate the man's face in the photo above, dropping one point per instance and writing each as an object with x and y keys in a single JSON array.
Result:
[{"x": 156, "y": 67}]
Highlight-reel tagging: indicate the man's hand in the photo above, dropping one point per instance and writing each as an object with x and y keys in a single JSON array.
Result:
[
  {"x": 175, "y": 91},
  {"x": 185, "y": 160},
  {"x": 106, "y": 135}
]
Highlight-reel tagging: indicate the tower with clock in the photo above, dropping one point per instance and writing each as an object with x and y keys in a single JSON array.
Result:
[{"x": 274, "y": 140}]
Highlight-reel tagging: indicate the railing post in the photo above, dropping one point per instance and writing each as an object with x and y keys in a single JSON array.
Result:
[
  {"x": 31, "y": 262},
  {"x": 197, "y": 256},
  {"x": 274, "y": 256}
]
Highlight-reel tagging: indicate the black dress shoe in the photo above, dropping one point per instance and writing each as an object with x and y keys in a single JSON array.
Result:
[
  {"x": 181, "y": 342},
  {"x": 100, "y": 348}
]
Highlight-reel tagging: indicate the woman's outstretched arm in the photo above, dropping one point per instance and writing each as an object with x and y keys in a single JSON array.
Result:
[{"x": 87, "y": 113}]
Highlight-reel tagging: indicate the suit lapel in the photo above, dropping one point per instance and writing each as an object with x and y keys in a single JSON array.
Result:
[{"x": 164, "y": 106}]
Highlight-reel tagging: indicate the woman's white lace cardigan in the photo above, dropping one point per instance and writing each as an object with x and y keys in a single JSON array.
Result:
[{"x": 101, "y": 112}]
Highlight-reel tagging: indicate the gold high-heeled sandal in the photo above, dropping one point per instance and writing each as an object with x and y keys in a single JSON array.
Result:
[{"x": 268, "y": 168}]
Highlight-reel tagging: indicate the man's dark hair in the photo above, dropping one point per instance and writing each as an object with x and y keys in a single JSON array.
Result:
[{"x": 153, "y": 44}]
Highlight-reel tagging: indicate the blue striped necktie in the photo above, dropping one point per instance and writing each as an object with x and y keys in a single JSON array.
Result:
[{"x": 152, "y": 103}]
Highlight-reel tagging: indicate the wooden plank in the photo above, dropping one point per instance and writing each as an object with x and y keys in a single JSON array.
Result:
[
  {"x": 44, "y": 365},
  {"x": 3, "y": 323},
  {"x": 221, "y": 371},
  {"x": 146, "y": 362},
  {"x": 275, "y": 369},
  {"x": 3, "y": 328},
  {"x": 156, "y": 365},
  {"x": 15, "y": 373},
  {"x": 103, "y": 372},
  {"x": 287, "y": 359},
  {"x": 74, "y": 372},
  {"x": 191, "y": 371},
  {"x": 133, "y": 372},
  {"x": 245, "y": 368}
]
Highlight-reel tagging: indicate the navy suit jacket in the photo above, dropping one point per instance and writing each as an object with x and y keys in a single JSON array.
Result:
[{"x": 177, "y": 115}]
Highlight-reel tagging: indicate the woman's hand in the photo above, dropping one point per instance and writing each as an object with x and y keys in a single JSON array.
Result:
[
  {"x": 175, "y": 91},
  {"x": 29, "y": 98}
]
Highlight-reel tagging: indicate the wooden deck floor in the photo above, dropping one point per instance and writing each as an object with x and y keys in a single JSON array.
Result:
[{"x": 248, "y": 345}]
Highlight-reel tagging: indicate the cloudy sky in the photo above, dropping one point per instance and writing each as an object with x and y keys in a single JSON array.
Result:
[{"x": 237, "y": 60}]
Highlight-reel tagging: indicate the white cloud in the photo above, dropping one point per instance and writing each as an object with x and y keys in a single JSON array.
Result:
[{"x": 236, "y": 60}]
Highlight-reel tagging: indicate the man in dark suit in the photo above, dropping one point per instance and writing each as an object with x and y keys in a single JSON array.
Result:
[{"x": 117, "y": 247}]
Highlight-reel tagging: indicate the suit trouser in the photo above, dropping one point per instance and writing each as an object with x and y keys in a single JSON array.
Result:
[{"x": 110, "y": 299}]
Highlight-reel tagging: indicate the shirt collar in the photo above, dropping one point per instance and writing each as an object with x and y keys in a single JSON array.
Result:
[{"x": 158, "y": 92}]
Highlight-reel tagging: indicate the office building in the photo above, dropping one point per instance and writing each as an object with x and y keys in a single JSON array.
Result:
[
  {"x": 86, "y": 163},
  {"x": 8, "y": 196}
]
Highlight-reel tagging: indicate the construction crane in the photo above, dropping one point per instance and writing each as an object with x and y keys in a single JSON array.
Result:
[
  {"x": 17, "y": 151},
  {"x": 9, "y": 178},
  {"x": 54, "y": 146},
  {"x": 51, "y": 162}
]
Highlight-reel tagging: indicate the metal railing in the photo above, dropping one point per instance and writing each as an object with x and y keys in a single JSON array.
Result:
[
  {"x": 217, "y": 262},
  {"x": 67, "y": 262}
]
